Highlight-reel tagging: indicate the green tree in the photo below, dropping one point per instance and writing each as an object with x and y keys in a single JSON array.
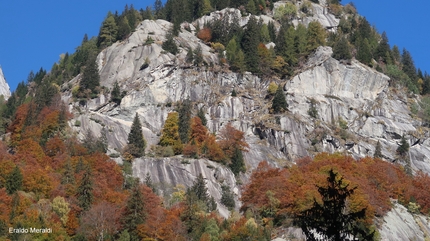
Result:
[
  {"x": 190, "y": 56},
  {"x": 382, "y": 49},
  {"x": 251, "y": 8},
  {"x": 169, "y": 45},
  {"x": 364, "y": 54},
  {"x": 279, "y": 103},
  {"x": 408, "y": 65},
  {"x": 108, "y": 32},
  {"x": 272, "y": 31},
  {"x": 198, "y": 56},
  {"x": 341, "y": 50},
  {"x": 136, "y": 141},
  {"x": 378, "y": 150},
  {"x": 201, "y": 115},
  {"x": 68, "y": 174},
  {"x": 84, "y": 193},
  {"x": 316, "y": 36},
  {"x": 200, "y": 190},
  {"x": 123, "y": 28},
  {"x": 300, "y": 39},
  {"x": 250, "y": 41},
  {"x": 403, "y": 148},
  {"x": 330, "y": 219},
  {"x": 115, "y": 94},
  {"x": 158, "y": 9},
  {"x": 90, "y": 79},
  {"x": 134, "y": 212},
  {"x": 264, "y": 34},
  {"x": 14, "y": 181},
  {"x": 204, "y": 7},
  {"x": 170, "y": 133},
  {"x": 227, "y": 197},
  {"x": 184, "y": 122},
  {"x": 237, "y": 164},
  {"x": 148, "y": 182}
]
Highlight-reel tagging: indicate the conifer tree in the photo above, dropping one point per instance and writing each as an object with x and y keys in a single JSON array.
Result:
[
  {"x": 329, "y": 219},
  {"x": 90, "y": 78},
  {"x": 341, "y": 50},
  {"x": 148, "y": 182},
  {"x": 123, "y": 28},
  {"x": 315, "y": 36},
  {"x": 204, "y": 7},
  {"x": 364, "y": 54},
  {"x": 250, "y": 7},
  {"x": 85, "y": 190},
  {"x": 134, "y": 212},
  {"x": 190, "y": 56},
  {"x": 68, "y": 175},
  {"x": 14, "y": 181},
  {"x": 237, "y": 164},
  {"x": 115, "y": 94},
  {"x": 201, "y": 115},
  {"x": 300, "y": 40},
  {"x": 403, "y": 148},
  {"x": 184, "y": 120},
  {"x": 250, "y": 41},
  {"x": 378, "y": 150},
  {"x": 408, "y": 65},
  {"x": 158, "y": 9},
  {"x": 198, "y": 56},
  {"x": 136, "y": 141},
  {"x": 272, "y": 31},
  {"x": 279, "y": 103},
  {"x": 227, "y": 197},
  {"x": 382, "y": 49},
  {"x": 108, "y": 32},
  {"x": 200, "y": 189},
  {"x": 169, "y": 45}
]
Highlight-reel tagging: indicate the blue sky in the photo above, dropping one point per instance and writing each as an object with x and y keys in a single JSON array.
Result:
[{"x": 35, "y": 33}]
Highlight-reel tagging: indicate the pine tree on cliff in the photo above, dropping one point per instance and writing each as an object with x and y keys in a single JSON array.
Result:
[
  {"x": 378, "y": 150},
  {"x": 108, "y": 32},
  {"x": 136, "y": 141},
  {"x": 279, "y": 103},
  {"x": 90, "y": 78},
  {"x": 341, "y": 50},
  {"x": 250, "y": 41}
]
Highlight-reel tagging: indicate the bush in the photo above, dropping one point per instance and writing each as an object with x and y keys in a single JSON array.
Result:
[
  {"x": 272, "y": 88},
  {"x": 313, "y": 112}
]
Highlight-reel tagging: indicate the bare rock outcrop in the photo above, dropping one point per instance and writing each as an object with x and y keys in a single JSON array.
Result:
[{"x": 4, "y": 87}]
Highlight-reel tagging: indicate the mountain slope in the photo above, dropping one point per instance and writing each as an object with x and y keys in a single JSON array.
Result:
[{"x": 4, "y": 87}]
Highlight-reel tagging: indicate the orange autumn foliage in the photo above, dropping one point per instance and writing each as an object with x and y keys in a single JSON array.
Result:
[
  {"x": 205, "y": 34},
  {"x": 231, "y": 138},
  {"x": 295, "y": 188}
]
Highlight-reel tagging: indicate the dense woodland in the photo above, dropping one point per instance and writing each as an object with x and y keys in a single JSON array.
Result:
[{"x": 48, "y": 178}]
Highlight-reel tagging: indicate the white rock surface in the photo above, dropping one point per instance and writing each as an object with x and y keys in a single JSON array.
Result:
[
  {"x": 4, "y": 87},
  {"x": 400, "y": 225}
]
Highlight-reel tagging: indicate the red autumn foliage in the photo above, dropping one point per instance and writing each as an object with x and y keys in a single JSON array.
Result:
[
  {"x": 295, "y": 188},
  {"x": 205, "y": 34}
]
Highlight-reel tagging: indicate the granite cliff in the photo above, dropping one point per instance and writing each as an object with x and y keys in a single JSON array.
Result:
[
  {"x": 4, "y": 87},
  {"x": 355, "y": 104}
]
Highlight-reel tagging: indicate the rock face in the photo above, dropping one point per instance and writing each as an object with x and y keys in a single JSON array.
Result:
[
  {"x": 400, "y": 225},
  {"x": 354, "y": 104},
  {"x": 4, "y": 87}
]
